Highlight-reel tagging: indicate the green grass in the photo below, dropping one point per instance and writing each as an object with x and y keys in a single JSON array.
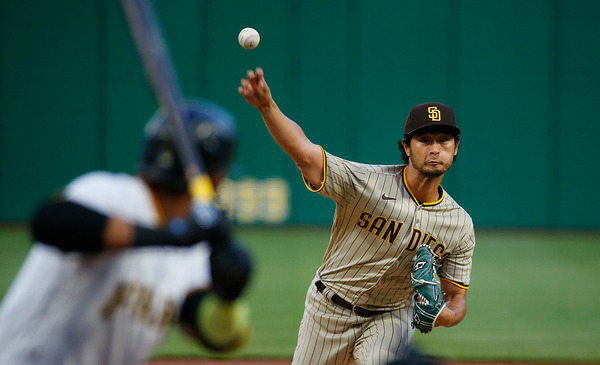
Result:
[
  {"x": 14, "y": 244},
  {"x": 286, "y": 261},
  {"x": 534, "y": 295}
]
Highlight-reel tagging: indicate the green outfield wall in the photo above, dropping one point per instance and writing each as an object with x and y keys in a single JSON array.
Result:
[{"x": 523, "y": 77}]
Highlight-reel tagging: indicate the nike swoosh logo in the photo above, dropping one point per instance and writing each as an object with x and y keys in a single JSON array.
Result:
[{"x": 385, "y": 197}]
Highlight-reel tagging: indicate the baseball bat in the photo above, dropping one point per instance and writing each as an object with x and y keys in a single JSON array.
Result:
[{"x": 155, "y": 55}]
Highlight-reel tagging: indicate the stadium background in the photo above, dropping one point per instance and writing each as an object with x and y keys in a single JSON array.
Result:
[{"x": 522, "y": 77}]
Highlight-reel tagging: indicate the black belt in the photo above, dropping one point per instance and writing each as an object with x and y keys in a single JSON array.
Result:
[{"x": 342, "y": 303}]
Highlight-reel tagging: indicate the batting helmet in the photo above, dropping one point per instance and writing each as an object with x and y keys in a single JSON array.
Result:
[{"x": 213, "y": 130}]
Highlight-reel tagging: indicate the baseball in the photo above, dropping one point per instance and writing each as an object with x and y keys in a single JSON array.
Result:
[{"x": 249, "y": 38}]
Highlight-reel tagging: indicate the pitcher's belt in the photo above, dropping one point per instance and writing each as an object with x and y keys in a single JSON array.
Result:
[{"x": 343, "y": 303}]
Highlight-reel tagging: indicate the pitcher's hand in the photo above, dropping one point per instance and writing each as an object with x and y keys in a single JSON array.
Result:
[{"x": 255, "y": 89}]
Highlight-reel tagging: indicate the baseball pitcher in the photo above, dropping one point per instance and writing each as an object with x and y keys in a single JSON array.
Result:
[{"x": 395, "y": 232}]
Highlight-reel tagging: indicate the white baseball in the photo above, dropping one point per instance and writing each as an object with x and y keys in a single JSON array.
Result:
[{"x": 249, "y": 38}]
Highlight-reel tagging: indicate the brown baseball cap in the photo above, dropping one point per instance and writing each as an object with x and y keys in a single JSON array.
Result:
[{"x": 430, "y": 115}]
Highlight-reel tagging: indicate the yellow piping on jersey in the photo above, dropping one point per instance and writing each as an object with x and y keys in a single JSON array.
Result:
[
  {"x": 455, "y": 283},
  {"x": 413, "y": 195},
  {"x": 307, "y": 184}
]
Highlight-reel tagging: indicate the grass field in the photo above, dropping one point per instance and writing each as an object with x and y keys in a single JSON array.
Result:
[{"x": 534, "y": 295}]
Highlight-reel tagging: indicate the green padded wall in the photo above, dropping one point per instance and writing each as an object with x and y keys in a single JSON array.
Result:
[{"x": 522, "y": 77}]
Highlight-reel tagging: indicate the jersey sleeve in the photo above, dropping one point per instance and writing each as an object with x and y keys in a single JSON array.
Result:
[
  {"x": 456, "y": 268},
  {"x": 113, "y": 194},
  {"x": 342, "y": 179},
  {"x": 93, "y": 190}
]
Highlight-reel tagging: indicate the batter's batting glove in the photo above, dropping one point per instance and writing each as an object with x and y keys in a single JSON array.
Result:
[
  {"x": 231, "y": 265},
  {"x": 205, "y": 222},
  {"x": 428, "y": 299},
  {"x": 231, "y": 268}
]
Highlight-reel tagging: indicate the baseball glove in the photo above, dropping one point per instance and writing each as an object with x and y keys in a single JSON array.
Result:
[{"x": 429, "y": 298}]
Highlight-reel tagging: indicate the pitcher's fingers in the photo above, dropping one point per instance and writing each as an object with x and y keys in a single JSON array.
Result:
[
  {"x": 247, "y": 85},
  {"x": 260, "y": 76},
  {"x": 250, "y": 76}
]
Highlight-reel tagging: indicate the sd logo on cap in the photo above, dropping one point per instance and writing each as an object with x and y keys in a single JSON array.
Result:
[{"x": 429, "y": 115}]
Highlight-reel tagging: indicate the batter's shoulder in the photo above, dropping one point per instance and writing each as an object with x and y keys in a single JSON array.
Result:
[
  {"x": 106, "y": 191},
  {"x": 102, "y": 178}
]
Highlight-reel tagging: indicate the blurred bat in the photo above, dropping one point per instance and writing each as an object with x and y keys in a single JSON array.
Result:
[{"x": 156, "y": 58}]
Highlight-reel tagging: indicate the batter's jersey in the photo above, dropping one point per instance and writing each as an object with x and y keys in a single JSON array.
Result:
[
  {"x": 106, "y": 309},
  {"x": 377, "y": 227}
]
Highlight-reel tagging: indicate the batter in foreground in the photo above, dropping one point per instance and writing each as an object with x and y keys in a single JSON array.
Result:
[
  {"x": 370, "y": 293},
  {"x": 118, "y": 258}
]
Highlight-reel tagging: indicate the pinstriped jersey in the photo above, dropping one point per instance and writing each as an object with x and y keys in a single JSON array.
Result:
[
  {"x": 377, "y": 227},
  {"x": 112, "y": 308}
]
